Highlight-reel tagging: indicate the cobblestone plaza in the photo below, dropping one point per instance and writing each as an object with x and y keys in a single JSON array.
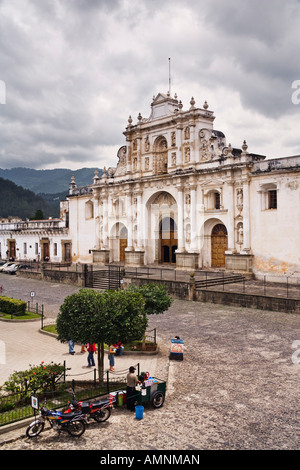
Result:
[{"x": 237, "y": 387}]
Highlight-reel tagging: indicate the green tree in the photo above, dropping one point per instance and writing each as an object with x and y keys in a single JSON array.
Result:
[
  {"x": 38, "y": 215},
  {"x": 92, "y": 317},
  {"x": 156, "y": 297}
]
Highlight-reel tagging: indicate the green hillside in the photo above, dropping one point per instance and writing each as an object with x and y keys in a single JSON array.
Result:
[
  {"x": 19, "y": 202},
  {"x": 48, "y": 181}
]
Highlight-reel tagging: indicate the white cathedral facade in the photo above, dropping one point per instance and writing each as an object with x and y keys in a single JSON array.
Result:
[{"x": 180, "y": 195}]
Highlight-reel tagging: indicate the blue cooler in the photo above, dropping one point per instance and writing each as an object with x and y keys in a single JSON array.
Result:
[{"x": 139, "y": 410}]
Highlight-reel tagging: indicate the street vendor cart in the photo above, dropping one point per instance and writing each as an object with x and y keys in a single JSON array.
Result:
[
  {"x": 152, "y": 390},
  {"x": 176, "y": 349}
]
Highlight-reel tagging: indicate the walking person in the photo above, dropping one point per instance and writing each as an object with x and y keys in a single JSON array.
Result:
[
  {"x": 91, "y": 348},
  {"x": 111, "y": 357},
  {"x": 71, "y": 346}
]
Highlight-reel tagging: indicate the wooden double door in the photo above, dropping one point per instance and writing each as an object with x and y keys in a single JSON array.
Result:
[
  {"x": 219, "y": 244},
  {"x": 123, "y": 245}
]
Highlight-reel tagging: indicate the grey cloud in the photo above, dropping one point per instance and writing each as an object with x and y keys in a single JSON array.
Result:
[{"x": 75, "y": 70}]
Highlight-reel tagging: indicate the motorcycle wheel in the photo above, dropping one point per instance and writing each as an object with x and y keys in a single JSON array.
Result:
[
  {"x": 35, "y": 428},
  {"x": 102, "y": 415},
  {"x": 76, "y": 428}
]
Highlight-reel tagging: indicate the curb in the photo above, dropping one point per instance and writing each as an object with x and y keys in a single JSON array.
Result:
[
  {"x": 125, "y": 353},
  {"x": 20, "y": 321}
]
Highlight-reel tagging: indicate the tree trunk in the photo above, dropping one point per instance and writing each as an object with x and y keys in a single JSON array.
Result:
[
  {"x": 144, "y": 343},
  {"x": 100, "y": 357}
]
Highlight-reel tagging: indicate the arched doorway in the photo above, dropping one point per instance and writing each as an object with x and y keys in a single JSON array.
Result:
[
  {"x": 118, "y": 242},
  {"x": 219, "y": 244},
  {"x": 168, "y": 240}
]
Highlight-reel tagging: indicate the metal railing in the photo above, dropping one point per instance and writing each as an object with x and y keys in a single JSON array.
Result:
[{"x": 16, "y": 406}]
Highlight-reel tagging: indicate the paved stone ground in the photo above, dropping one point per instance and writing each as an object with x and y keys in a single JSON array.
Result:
[{"x": 237, "y": 387}]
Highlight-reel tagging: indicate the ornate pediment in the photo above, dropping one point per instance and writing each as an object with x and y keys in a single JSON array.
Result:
[
  {"x": 163, "y": 105},
  {"x": 164, "y": 198},
  {"x": 212, "y": 183}
]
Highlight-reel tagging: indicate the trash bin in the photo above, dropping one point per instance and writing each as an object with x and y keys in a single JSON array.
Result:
[
  {"x": 176, "y": 349},
  {"x": 120, "y": 399},
  {"x": 139, "y": 410}
]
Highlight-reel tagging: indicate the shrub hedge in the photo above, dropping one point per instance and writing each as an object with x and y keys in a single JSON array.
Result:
[{"x": 12, "y": 306}]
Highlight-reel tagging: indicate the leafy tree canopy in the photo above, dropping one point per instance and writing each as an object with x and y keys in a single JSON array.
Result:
[
  {"x": 93, "y": 317},
  {"x": 156, "y": 297}
]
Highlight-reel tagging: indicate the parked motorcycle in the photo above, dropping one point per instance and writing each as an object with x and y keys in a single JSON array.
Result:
[
  {"x": 99, "y": 410},
  {"x": 74, "y": 422}
]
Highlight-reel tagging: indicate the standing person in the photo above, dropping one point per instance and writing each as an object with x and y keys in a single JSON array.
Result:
[
  {"x": 130, "y": 389},
  {"x": 119, "y": 349},
  {"x": 71, "y": 346},
  {"x": 91, "y": 348},
  {"x": 111, "y": 357}
]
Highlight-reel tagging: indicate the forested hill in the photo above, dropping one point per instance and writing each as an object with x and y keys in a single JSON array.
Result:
[
  {"x": 19, "y": 202},
  {"x": 48, "y": 181}
]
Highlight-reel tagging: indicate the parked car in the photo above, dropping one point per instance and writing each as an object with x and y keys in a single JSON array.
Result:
[
  {"x": 11, "y": 269},
  {"x": 24, "y": 266},
  {"x": 5, "y": 265}
]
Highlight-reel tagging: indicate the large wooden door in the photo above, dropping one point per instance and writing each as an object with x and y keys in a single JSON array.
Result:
[
  {"x": 12, "y": 249},
  {"x": 123, "y": 245},
  {"x": 46, "y": 252},
  {"x": 67, "y": 254},
  {"x": 219, "y": 244},
  {"x": 168, "y": 240}
]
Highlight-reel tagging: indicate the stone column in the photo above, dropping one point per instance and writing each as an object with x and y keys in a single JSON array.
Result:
[
  {"x": 246, "y": 217},
  {"x": 230, "y": 224},
  {"x": 193, "y": 219},
  {"x": 105, "y": 221},
  {"x": 140, "y": 222},
  {"x": 96, "y": 220},
  {"x": 129, "y": 157},
  {"x": 192, "y": 143},
  {"x": 180, "y": 211},
  {"x": 179, "y": 156},
  {"x": 138, "y": 154},
  {"x": 129, "y": 223}
]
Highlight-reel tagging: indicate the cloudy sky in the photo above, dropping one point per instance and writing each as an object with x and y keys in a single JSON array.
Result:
[{"x": 72, "y": 71}]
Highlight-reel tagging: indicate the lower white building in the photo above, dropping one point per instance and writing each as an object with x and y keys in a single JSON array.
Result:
[{"x": 36, "y": 240}]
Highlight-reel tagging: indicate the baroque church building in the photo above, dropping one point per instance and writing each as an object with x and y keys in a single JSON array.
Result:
[{"x": 181, "y": 195}]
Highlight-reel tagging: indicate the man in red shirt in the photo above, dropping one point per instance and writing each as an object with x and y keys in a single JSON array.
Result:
[{"x": 91, "y": 350}]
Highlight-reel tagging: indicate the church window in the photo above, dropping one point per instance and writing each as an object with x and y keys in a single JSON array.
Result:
[
  {"x": 217, "y": 201},
  {"x": 272, "y": 199},
  {"x": 268, "y": 195},
  {"x": 89, "y": 210},
  {"x": 212, "y": 200}
]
